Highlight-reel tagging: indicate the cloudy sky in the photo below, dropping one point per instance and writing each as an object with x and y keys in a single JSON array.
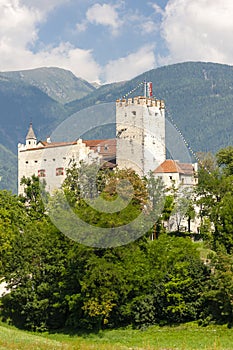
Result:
[{"x": 114, "y": 40}]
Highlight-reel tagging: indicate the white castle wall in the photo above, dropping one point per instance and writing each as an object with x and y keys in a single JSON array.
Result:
[{"x": 50, "y": 159}]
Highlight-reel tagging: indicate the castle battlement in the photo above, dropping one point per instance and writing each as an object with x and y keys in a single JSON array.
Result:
[{"x": 141, "y": 100}]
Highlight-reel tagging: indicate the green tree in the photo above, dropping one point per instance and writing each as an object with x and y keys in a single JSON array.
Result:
[
  {"x": 35, "y": 195},
  {"x": 13, "y": 221},
  {"x": 217, "y": 298}
]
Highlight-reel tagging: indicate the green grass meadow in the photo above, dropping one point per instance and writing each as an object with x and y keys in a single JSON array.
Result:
[{"x": 185, "y": 337}]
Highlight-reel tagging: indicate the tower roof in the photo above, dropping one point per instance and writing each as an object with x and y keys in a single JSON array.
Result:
[
  {"x": 30, "y": 134},
  {"x": 172, "y": 166}
]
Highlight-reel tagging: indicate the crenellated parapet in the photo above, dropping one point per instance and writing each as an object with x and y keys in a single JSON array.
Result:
[{"x": 141, "y": 101}]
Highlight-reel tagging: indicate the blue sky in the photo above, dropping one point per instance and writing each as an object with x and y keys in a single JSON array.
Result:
[{"x": 114, "y": 40}]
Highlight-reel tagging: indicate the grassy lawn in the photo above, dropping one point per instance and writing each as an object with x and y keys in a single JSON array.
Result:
[{"x": 186, "y": 337}]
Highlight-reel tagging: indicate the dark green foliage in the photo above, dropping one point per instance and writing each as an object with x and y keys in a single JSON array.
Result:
[
  {"x": 215, "y": 197},
  {"x": 55, "y": 282},
  {"x": 217, "y": 305}
]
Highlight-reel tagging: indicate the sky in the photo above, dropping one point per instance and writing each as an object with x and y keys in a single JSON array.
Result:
[{"x": 110, "y": 41}]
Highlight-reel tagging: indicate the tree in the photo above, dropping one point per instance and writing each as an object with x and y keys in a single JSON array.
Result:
[
  {"x": 217, "y": 298},
  {"x": 224, "y": 159},
  {"x": 13, "y": 221},
  {"x": 34, "y": 196},
  {"x": 215, "y": 195}
]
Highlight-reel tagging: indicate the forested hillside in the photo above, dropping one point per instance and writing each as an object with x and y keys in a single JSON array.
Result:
[{"x": 198, "y": 96}]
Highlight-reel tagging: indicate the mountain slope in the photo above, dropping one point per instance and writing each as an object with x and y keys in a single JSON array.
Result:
[
  {"x": 59, "y": 84},
  {"x": 22, "y": 104},
  {"x": 199, "y": 97},
  {"x": 8, "y": 170}
]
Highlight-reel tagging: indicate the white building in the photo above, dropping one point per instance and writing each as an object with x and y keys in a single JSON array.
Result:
[
  {"x": 49, "y": 160},
  {"x": 172, "y": 172}
]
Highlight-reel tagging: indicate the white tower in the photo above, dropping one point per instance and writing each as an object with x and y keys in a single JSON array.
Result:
[
  {"x": 140, "y": 132},
  {"x": 31, "y": 140}
]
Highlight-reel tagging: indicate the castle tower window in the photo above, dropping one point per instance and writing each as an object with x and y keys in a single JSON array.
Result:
[
  {"x": 41, "y": 173},
  {"x": 59, "y": 171}
]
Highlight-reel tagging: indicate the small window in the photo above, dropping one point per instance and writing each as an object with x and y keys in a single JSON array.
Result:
[
  {"x": 35, "y": 161},
  {"x": 54, "y": 159},
  {"x": 41, "y": 173},
  {"x": 26, "y": 162},
  {"x": 134, "y": 112},
  {"x": 59, "y": 171},
  {"x": 170, "y": 177},
  {"x": 45, "y": 160}
]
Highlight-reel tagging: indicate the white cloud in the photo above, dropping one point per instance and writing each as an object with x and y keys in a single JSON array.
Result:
[
  {"x": 17, "y": 25},
  {"x": 18, "y": 33},
  {"x": 105, "y": 15},
  {"x": 44, "y": 6},
  {"x": 130, "y": 66},
  {"x": 148, "y": 27},
  {"x": 82, "y": 26},
  {"x": 157, "y": 9},
  {"x": 199, "y": 30},
  {"x": 79, "y": 61}
]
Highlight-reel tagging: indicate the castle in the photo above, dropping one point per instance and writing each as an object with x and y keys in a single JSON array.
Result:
[{"x": 139, "y": 144}]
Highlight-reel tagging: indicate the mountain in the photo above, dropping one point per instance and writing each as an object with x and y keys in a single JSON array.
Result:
[
  {"x": 198, "y": 98},
  {"x": 59, "y": 84},
  {"x": 21, "y": 104},
  {"x": 8, "y": 170}
]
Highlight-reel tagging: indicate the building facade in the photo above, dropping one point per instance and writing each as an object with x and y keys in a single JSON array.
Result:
[{"x": 49, "y": 160}]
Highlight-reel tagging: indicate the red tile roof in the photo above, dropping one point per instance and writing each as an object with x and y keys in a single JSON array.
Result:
[{"x": 172, "y": 166}]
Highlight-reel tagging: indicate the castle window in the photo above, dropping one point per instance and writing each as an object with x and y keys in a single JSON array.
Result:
[
  {"x": 59, "y": 171},
  {"x": 41, "y": 173},
  {"x": 26, "y": 162},
  {"x": 54, "y": 159},
  {"x": 134, "y": 112},
  {"x": 35, "y": 161},
  {"x": 170, "y": 177}
]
